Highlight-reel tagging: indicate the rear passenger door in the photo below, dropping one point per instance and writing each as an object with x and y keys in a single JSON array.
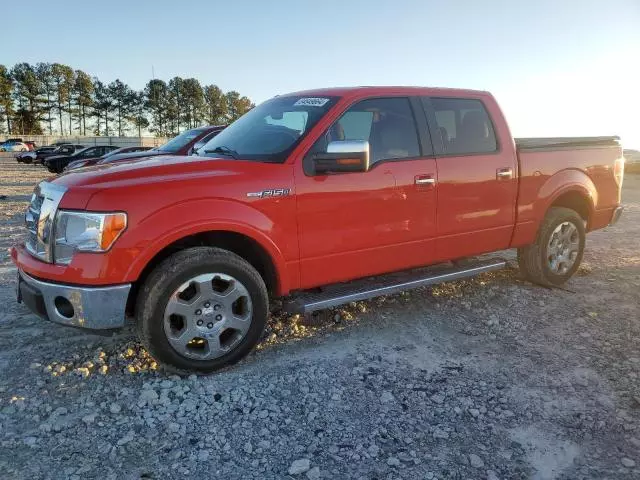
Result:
[{"x": 477, "y": 178}]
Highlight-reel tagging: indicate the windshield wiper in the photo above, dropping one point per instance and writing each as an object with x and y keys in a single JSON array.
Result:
[{"x": 224, "y": 151}]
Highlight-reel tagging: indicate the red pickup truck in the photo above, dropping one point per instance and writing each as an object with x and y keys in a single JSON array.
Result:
[{"x": 322, "y": 197}]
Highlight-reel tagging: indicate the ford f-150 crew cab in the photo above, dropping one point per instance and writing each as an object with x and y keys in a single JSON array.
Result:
[{"x": 322, "y": 197}]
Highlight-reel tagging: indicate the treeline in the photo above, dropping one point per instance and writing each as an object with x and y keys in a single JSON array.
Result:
[{"x": 51, "y": 98}]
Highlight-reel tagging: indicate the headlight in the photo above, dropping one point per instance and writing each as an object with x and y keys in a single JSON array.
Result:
[{"x": 86, "y": 232}]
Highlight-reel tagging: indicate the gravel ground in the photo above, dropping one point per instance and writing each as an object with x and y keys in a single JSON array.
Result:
[{"x": 489, "y": 378}]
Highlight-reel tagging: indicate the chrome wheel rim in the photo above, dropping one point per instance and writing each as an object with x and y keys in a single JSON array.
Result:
[
  {"x": 208, "y": 316},
  {"x": 563, "y": 248}
]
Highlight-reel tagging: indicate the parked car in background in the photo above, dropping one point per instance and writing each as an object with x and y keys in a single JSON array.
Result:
[
  {"x": 10, "y": 140},
  {"x": 13, "y": 146},
  {"x": 57, "y": 163},
  {"x": 92, "y": 161},
  {"x": 63, "y": 149},
  {"x": 182, "y": 144},
  {"x": 305, "y": 197},
  {"x": 29, "y": 157}
]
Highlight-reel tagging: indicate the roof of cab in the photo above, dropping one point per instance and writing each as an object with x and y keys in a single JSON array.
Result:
[{"x": 387, "y": 90}]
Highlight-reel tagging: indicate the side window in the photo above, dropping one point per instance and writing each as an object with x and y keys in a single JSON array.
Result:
[
  {"x": 386, "y": 123},
  {"x": 464, "y": 126}
]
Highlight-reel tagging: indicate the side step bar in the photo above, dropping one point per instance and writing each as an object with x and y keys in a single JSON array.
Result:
[{"x": 340, "y": 294}]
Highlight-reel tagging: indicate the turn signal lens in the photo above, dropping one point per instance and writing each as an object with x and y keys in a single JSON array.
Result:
[
  {"x": 114, "y": 225},
  {"x": 348, "y": 161}
]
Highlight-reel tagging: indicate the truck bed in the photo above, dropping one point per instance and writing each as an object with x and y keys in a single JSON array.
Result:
[
  {"x": 558, "y": 143},
  {"x": 548, "y": 164}
]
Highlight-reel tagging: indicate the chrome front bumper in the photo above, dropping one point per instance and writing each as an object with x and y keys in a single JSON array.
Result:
[
  {"x": 87, "y": 307},
  {"x": 616, "y": 215}
]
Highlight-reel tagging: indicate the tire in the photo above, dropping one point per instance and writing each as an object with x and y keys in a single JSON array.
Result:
[
  {"x": 540, "y": 262},
  {"x": 164, "y": 291}
]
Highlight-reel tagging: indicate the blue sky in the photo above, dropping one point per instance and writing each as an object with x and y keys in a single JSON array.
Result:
[{"x": 560, "y": 68}]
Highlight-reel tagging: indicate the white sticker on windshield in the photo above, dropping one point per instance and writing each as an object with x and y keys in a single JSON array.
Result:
[{"x": 311, "y": 102}]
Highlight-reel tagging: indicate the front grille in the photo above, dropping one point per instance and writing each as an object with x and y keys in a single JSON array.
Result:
[{"x": 40, "y": 217}]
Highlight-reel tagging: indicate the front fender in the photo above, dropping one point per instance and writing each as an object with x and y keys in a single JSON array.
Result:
[{"x": 149, "y": 235}]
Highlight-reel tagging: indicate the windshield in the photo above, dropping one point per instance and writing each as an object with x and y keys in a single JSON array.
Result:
[
  {"x": 270, "y": 131},
  {"x": 180, "y": 141}
]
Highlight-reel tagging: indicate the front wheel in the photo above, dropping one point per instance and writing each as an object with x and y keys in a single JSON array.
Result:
[
  {"x": 202, "y": 309},
  {"x": 558, "y": 250}
]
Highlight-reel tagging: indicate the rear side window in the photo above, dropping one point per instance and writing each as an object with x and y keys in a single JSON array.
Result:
[{"x": 463, "y": 126}]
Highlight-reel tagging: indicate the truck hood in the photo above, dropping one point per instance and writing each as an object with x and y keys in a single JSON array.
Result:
[{"x": 155, "y": 169}]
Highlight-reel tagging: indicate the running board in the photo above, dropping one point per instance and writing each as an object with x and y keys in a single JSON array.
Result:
[{"x": 335, "y": 295}]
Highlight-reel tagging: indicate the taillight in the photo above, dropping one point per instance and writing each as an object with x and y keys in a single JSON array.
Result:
[{"x": 618, "y": 170}]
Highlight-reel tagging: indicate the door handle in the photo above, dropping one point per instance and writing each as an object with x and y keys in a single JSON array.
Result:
[
  {"x": 504, "y": 173},
  {"x": 425, "y": 180}
]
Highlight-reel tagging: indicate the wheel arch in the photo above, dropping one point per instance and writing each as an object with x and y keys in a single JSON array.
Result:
[
  {"x": 570, "y": 188},
  {"x": 576, "y": 200},
  {"x": 259, "y": 253}
]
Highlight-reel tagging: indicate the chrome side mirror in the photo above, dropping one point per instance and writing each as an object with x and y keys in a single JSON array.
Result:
[{"x": 343, "y": 156}]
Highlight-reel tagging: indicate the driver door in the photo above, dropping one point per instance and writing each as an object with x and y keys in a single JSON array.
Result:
[{"x": 358, "y": 224}]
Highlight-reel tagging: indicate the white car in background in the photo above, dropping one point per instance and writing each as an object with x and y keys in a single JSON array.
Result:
[{"x": 14, "y": 147}]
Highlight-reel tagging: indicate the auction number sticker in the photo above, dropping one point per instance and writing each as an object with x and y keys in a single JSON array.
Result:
[{"x": 311, "y": 102}]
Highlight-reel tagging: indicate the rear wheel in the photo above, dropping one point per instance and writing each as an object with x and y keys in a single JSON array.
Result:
[
  {"x": 558, "y": 250},
  {"x": 202, "y": 309}
]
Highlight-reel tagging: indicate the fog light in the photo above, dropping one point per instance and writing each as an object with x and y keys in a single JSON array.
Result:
[{"x": 64, "y": 307}]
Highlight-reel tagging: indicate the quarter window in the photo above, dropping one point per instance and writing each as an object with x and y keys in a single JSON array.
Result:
[
  {"x": 463, "y": 127},
  {"x": 386, "y": 123}
]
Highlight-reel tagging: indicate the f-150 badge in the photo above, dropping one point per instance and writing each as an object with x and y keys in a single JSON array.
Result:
[{"x": 271, "y": 192}]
